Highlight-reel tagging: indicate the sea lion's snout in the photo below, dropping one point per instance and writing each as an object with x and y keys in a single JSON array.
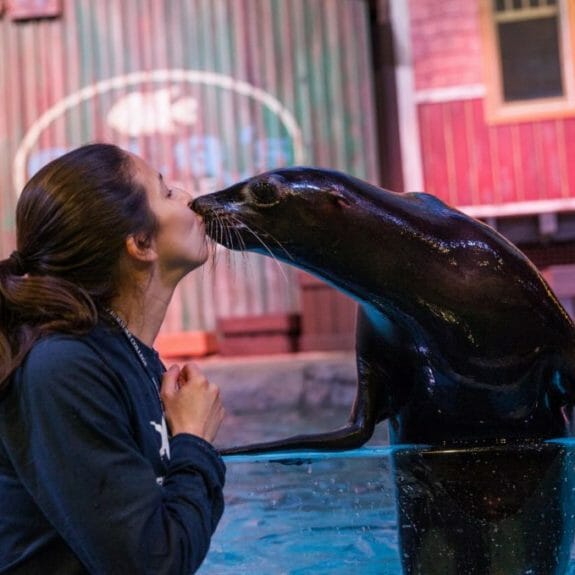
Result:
[
  {"x": 231, "y": 215},
  {"x": 218, "y": 202},
  {"x": 260, "y": 192}
]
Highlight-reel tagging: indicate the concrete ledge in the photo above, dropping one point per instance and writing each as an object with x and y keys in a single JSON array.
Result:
[{"x": 283, "y": 382}]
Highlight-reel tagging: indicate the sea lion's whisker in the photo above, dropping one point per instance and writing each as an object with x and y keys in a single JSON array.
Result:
[
  {"x": 216, "y": 230},
  {"x": 278, "y": 243},
  {"x": 258, "y": 237},
  {"x": 264, "y": 245},
  {"x": 233, "y": 233}
]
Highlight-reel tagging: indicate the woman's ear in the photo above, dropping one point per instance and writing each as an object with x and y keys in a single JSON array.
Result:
[{"x": 141, "y": 248}]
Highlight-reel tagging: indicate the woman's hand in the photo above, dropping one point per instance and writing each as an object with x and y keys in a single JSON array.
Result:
[{"x": 191, "y": 402}]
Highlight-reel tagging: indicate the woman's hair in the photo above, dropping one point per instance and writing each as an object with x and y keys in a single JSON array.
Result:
[{"x": 72, "y": 221}]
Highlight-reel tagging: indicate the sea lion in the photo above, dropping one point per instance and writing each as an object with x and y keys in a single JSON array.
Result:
[
  {"x": 482, "y": 510},
  {"x": 459, "y": 339}
]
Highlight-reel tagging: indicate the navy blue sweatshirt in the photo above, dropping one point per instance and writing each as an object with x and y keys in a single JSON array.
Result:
[{"x": 89, "y": 480}]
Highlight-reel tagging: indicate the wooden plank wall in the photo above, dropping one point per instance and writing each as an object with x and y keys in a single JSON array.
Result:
[{"x": 469, "y": 163}]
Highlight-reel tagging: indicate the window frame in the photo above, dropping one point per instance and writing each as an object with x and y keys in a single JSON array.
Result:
[{"x": 499, "y": 111}]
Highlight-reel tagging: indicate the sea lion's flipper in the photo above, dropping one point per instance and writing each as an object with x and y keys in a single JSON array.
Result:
[
  {"x": 348, "y": 437},
  {"x": 367, "y": 408}
]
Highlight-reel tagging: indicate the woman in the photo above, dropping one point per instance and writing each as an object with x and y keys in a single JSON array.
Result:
[{"x": 102, "y": 470}]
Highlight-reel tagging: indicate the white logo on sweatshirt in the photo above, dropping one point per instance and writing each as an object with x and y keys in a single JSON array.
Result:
[{"x": 162, "y": 429}]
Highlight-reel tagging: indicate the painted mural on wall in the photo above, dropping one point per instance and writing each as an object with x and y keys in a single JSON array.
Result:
[
  {"x": 169, "y": 108},
  {"x": 209, "y": 93}
]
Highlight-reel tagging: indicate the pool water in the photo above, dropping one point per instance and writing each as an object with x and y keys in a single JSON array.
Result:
[
  {"x": 510, "y": 510},
  {"x": 307, "y": 518}
]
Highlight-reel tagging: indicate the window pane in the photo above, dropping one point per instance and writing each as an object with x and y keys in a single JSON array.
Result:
[{"x": 530, "y": 60}]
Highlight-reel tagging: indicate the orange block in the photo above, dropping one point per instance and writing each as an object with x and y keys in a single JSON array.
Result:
[{"x": 184, "y": 344}]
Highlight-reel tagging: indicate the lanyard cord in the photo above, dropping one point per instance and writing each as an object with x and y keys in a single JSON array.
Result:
[{"x": 136, "y": 347}]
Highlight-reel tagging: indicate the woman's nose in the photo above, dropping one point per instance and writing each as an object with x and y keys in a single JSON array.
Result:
[{"x": 182, "y": 194}]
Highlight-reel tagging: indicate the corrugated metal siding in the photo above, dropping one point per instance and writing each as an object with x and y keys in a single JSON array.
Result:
[
  {"x": 209, "y": 92},
  {"x": 469, "y": 163}
]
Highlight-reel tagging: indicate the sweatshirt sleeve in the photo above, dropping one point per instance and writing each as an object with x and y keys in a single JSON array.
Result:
[{"x": 70, "y": 440}]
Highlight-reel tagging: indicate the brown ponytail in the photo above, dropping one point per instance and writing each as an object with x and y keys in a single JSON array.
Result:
[{"x": 72, "y": 220}]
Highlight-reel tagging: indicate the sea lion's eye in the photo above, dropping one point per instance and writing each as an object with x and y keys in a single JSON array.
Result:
[{"x": 264, "y": 194}]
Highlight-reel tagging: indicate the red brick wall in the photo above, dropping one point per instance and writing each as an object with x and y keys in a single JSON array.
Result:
[{"x": 446, "y": 43}]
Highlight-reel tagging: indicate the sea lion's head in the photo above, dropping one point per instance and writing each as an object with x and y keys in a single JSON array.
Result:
[{"x": 299, "y": 215}]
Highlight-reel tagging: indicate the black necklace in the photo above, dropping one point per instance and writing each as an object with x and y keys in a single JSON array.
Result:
[{"x": 136, "y": 347}]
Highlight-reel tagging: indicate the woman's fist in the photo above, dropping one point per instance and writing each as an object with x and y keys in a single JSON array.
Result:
[{"x": 191, "y": 402}]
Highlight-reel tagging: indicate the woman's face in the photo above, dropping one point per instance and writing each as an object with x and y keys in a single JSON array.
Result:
[{"x": 180, "y": 240}]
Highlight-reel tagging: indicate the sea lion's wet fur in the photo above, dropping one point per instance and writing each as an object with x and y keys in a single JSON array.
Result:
[{"x": 459, "y": 338}]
